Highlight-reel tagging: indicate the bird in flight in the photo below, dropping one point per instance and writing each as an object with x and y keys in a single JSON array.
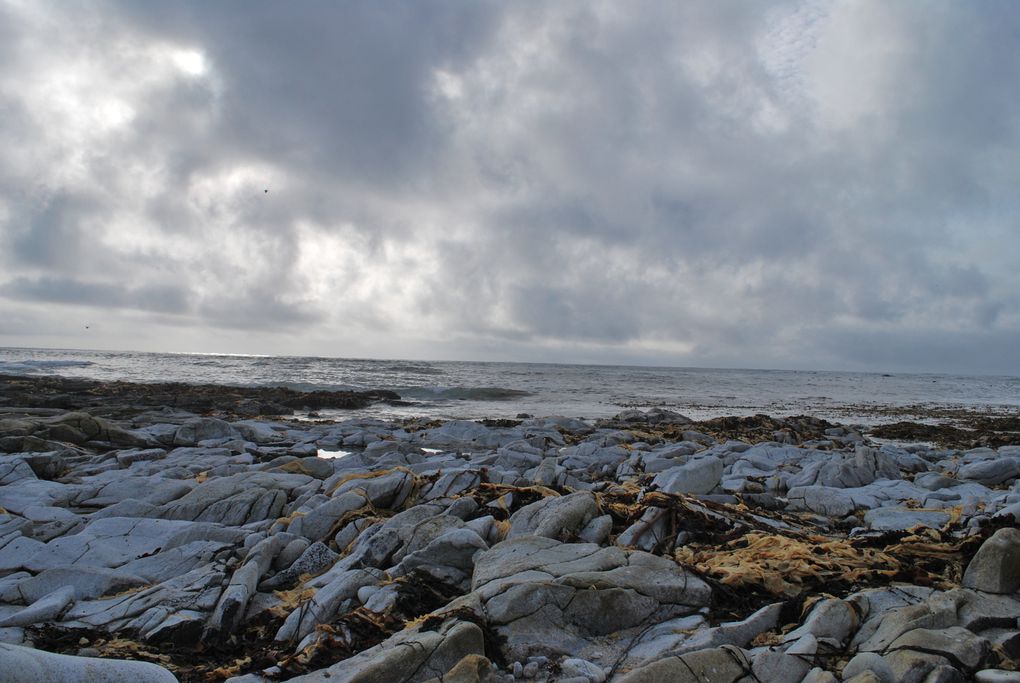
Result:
[{"x": 267, "y": 191}]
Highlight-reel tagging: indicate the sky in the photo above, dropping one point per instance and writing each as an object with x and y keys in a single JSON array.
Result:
[{"x": 805, "y": 185}]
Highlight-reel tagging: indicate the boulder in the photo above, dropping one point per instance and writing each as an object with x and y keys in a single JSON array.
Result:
[
  {"x": 698, "y": 476},
  {"x": 995, "y": 567},
  {"x": 990, "y": 472}
]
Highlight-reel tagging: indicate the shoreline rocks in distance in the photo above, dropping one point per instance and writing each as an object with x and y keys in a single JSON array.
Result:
[{"x": 197, "y": 543}]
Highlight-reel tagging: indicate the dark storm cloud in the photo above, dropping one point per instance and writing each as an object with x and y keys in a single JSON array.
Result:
[{"x": 778, "y": 183}]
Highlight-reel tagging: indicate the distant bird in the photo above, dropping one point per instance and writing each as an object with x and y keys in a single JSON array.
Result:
[
  {"x": 86, "y": 327},
  {"x": 267, "y": 191}
]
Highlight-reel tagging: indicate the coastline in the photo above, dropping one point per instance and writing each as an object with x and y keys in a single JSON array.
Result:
[{"x": 195, "y": 527}]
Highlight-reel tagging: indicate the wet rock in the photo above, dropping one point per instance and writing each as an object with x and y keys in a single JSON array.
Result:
[{"x": 996, "y": 566}]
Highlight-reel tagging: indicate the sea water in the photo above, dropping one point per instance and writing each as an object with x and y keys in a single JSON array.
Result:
[{"x": 473, "y": 390}]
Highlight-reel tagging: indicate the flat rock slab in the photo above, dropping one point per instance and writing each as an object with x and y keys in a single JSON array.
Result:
[{"x": 109, "y": 542}]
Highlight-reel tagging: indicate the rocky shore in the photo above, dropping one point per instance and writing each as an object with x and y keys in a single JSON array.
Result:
[{"x": 172, "y": 532}]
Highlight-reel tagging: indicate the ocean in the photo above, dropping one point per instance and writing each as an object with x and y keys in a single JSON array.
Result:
[{"x": 474, "y": 390}]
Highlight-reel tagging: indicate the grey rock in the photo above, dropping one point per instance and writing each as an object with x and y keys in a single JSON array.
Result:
[
  {"x": 934, "y": 481},
  {"x": 46, "y": 608},
  {"x": 829, "y": 501},
  {"x": 726, "y": 663},
  {"x": 648, "y": 532},
  {"x": 290, "y": 553},
  {"x": 408, "y": 657},
  {"x": 448, "y": 557},
  {"x": 237, "y": 499},
  {"x": 572, "y": 666},
  {"x": 912, "y": 666},
  {"x": 819, "y": 675},
  {"x": 561, "y": 518},
  {"x": 697, "y": 476},
  {"x": 547, "y": 597},
  {"x": 773, "y": 664},
  {"x": 317, "y": 524},
  {"x": 995, "y": 567},
  {"x": 957, "y": 644},
  {"x": 201, "y": 429},
  {"x": 997, "y": 676},
  {"x": 126, "y": 458},
  {"x": 233, "y": 602},
  {"x": 829, "y": 620},
  {"x": 735, "y": 633},
  {"x": 597, "y": 530},
  {"x": 937, "y": 612},
  {"x": 316, "y": 559},
  {"x": 110, "y": 542},
  {"x": 323, "y": 606},
  {"x": 383, "y": 489},
  {"x": 171, "y": 562},
  {"x": 866, "y": 676},
  {"x": 869, "y": 661},
  {"x": 990, "y": 472},
  {"x": 945, "y": 674},
  {"x": 87, "y": 582},
  {"x": 100, "y": 429},
  {"x": 901, "y": 519},
  {"x": 27, "y": 665}
]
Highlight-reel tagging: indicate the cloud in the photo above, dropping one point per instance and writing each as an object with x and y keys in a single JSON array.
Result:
[
  {"x": 708, "y": 183},
  {"x": 166, "y": 299}
]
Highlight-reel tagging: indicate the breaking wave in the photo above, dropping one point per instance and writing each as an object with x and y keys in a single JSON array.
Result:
[{"x": 20, "y": 367}]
